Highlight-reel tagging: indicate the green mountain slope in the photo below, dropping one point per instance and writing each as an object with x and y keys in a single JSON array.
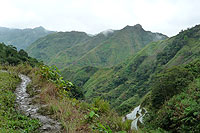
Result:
[
  {"x": 55, "y": 45},
  {"x": 103, "y": 50},
  {"x": 70, "y": 55},
  {"x": 21, "y": 38},
  {"x": 173, "y": 103},
  {"x": 119, "y": 46},
  {"x": 125, "y": 84}
]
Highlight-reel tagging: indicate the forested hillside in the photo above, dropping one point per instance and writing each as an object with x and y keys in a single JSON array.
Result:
[
  {"x": 173, "y": 102},
  {"x": 21, "y": 38},
  {"x": 124, "y": 85},
  {"x": 77, "y": 49}
]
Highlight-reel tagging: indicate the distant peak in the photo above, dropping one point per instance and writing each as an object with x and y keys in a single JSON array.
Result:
[
  {"x": 128, "y": 26},
  {"x": 137, "y": 26},
  {"x": 40, "y": 28}
]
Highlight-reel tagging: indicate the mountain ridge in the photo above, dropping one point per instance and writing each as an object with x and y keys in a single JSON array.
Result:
[
  {"x": 96, "y": 50},
  {"x": 21, "y": 38}
]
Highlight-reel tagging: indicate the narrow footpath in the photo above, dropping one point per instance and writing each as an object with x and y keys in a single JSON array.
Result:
[{"x": 25, "y": 105}]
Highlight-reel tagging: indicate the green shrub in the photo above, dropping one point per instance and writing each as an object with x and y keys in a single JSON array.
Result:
[
  {"x": 52, "y": 74},
  {"x": 102, "y": 105}
]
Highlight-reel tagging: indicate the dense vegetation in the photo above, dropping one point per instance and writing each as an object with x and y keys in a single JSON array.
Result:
[
  {"x": 21, "y": 38},
  {"x": 173, "y": 103},
  {"x": 77, "y": 49},
  {"x": 10, "y": 56}
]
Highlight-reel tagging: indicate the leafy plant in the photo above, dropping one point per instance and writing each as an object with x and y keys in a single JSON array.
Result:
[{"x": 52, "y": 74}]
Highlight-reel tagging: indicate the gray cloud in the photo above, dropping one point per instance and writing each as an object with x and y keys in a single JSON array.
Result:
[{"x": 94, "y": 16}]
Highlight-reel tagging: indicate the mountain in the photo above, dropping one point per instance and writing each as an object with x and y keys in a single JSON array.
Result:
[
  {"x": 77, "y": 49},
  {"x": 163, "y": 77},
  {"x": 53, "y": 48},
  {"x": 119, "y": 46},
  {"x": 125, "y": 85},
  {"x": 22, "y": 38}
]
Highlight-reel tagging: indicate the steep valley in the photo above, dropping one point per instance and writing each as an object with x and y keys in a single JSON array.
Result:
[
  {"x": 124, "y": 85},
  {"x": 104, "y": 77}
]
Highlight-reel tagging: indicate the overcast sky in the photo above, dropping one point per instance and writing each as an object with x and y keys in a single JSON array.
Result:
[{"x": 94, "y": 16}]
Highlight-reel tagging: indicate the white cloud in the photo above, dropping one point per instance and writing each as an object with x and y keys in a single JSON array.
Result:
[{"x": 94, "y": 16}]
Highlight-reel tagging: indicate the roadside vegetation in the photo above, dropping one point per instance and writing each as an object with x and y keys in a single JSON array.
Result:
[{"x": 11, "y": 120}]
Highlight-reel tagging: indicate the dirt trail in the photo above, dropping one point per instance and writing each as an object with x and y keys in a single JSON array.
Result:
[{"x": 25, "y": 105}]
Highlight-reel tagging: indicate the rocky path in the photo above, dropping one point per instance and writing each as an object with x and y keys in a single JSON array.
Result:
[{"x": 26, "y": 106}]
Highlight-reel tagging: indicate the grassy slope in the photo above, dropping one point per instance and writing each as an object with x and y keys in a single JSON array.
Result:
[
  {"x": 10, "y": 119},
  {"x": 125, "y": 84}
]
